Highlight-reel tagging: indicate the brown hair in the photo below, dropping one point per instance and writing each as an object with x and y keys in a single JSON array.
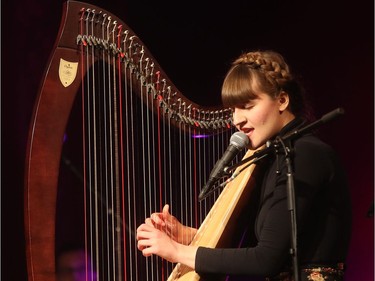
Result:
[{"x": 262, "y": 71}]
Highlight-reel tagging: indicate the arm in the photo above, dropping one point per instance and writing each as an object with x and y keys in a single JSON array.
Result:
[{"x": 312, "y": 174}]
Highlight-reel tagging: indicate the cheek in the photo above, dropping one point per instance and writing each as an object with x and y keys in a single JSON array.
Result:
[
  {"x": 259, "y": 117},
  {"x": 267, "y": 113}
]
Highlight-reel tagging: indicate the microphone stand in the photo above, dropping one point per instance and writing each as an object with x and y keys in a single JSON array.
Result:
[
  {"x": 291, "y": 208},
  {"x": 273, "y": 146}
]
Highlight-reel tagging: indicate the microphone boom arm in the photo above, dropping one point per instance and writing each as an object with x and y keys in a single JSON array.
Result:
[{"x": 271, "y": 145}]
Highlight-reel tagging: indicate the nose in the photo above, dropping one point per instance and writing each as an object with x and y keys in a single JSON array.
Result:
[{"x": 239, "y": 118}]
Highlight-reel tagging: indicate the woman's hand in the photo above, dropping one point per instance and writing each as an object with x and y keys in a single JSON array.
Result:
[
  {"x": 152, "y": 241},
  {"x": 171, "y": 226}
]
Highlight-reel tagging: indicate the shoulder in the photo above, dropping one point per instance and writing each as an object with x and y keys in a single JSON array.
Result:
[
  {"x": 312, "y": 147},
  {"x": 314, "y": 158}
]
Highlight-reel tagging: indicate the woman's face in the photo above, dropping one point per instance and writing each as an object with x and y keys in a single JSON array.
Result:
[{"x": 262, "y": 118}]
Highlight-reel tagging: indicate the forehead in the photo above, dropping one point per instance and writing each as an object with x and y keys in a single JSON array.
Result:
[{"x": 259, "y": 98}]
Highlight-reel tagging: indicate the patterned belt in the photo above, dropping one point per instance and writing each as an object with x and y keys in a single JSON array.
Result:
[{"x": 314, "y": 273}]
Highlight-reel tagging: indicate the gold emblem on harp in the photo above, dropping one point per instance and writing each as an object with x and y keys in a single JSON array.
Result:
[{"x": 67, "y": 72}]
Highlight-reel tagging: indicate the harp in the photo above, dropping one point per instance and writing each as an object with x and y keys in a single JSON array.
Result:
[{"x": 143, "y": 144}]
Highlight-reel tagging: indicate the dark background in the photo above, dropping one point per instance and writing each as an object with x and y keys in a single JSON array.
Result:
[{"x": 329, "y": 43}]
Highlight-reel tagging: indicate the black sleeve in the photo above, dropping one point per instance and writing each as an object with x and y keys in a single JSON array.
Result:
[{"x": 312, "y": 169}]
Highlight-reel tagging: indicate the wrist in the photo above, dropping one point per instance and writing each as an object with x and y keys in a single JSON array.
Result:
[{"x": 186, "y": 255}]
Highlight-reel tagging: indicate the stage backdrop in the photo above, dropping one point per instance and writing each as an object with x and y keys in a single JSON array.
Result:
[{"x": 330, "y": 43}]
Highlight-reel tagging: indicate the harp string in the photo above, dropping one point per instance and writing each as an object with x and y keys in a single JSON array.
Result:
[
  {"x": 113, "y": 76},
  {"x": 103, "y": 167},
  {"x": 130, "y": 197},
  {"x": 89, "y": 141},
  {"x": 138, "y": 135}
]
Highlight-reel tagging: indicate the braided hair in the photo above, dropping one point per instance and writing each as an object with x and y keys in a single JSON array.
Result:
[{"x": 266, "y": 72}]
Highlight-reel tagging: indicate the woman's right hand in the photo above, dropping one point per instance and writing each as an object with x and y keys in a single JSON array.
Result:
[
  {"x": 170, "y": 225},
  {"x": 152, "y": 241}
]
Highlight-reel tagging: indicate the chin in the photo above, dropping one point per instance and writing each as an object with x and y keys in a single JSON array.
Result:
[
  {"x": 253, "y": 146},
  {"x": 256, "y": 145}
]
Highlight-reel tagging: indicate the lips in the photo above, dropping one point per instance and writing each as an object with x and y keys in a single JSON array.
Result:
[{"x": 247, "y": 131}]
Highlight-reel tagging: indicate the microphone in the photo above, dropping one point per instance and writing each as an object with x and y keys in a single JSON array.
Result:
[{"x": 238, "y": 141}]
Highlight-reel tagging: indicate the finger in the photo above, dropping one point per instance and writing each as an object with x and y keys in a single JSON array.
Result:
[
  {"x": 146, "y": 247},
  {"x": 156, "y": 218},
  {"x": 142, "y": 244},
  {"x": 166, "y": 209},
  {"x": 149, "y": 222},
  {"x": 166, "y": 215},
  {"x": 147, "y": 252},
  {"x": 140, "y": 247},
  {"x": 143, "y": 227},
  {"x": 144, "y": 231}
]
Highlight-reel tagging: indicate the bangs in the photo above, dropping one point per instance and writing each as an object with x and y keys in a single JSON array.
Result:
[{"x": 239, "y": 86}]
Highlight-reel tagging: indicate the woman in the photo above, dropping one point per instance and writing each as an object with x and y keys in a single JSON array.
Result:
[{"x": 268, "y": 103}]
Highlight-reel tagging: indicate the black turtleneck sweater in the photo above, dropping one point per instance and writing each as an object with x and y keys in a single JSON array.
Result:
[{"x": 323, "y": 211}]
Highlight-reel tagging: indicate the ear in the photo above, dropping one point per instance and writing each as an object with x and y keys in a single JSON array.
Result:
[{"x": 283, "y": 100}]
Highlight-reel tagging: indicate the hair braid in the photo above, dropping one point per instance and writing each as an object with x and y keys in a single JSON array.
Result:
[
  {"x": 271, "y": 75},
  {"x": 271, "y": 64}
]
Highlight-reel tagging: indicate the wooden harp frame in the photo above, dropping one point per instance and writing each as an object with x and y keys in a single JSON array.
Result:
[{"x": 62, "y": 79}]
